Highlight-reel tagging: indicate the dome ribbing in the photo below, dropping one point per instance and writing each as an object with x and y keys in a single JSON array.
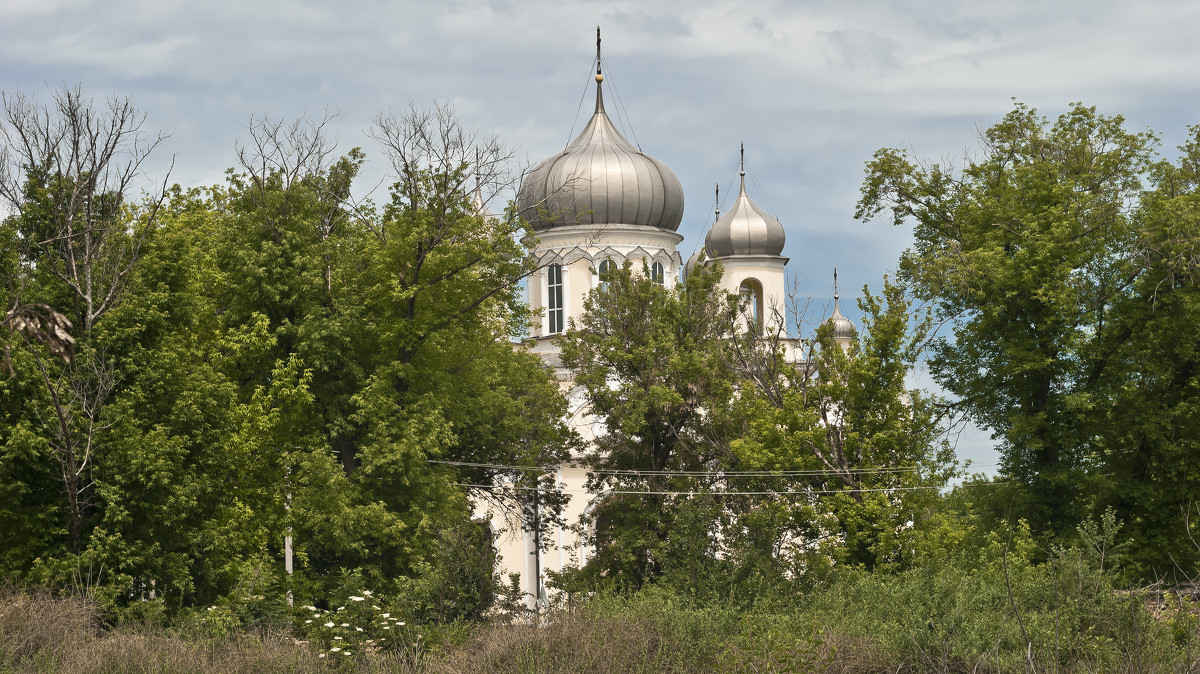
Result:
[
  {"x": 745, "y": 229},
  {"x": 601, "y": 179}
]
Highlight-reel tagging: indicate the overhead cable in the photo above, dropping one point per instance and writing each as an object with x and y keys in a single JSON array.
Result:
[
  {"x": 688, "y": 473},
  {"x": 802, "y": 492}
]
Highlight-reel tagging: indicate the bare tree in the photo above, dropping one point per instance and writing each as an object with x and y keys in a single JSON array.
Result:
[
  {"x": 67, "y": 170},
  {"x": 279, "y": 156},
  {"x": 435, "y": 158},
  {"x": 433, "y": 141}
]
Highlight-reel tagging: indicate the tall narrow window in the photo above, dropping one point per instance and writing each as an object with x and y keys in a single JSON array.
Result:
[
  {"x": 656, "y": 273},
  {"x": 606, "y": 268},
  {"x": 751, "y": 293},
  {"x": 554, "y": 292}
]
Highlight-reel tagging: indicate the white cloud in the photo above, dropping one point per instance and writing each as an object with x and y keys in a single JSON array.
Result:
[{"x": 812, "y": 88}]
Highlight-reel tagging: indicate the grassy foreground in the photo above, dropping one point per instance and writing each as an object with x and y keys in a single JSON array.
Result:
[{"x": 906, "y": 623}]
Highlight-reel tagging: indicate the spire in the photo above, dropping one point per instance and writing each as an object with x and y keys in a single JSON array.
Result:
[
  {"x": 601, "y": 178},
  {"x": 718, "y": 202},
  {"x": 599, "y": 75},
  {"x": 477, "y": 199},
  {"x": 742, "y": 171},
  {"x": 745, "y": 229},
  {"x": 843, "y": 329}
]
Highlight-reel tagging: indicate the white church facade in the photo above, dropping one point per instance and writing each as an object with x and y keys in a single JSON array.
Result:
[{"x": 600, "y": 202}]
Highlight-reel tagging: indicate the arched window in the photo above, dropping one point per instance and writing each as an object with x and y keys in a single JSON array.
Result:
[
  {"x": 554, "y": 297},
  {"x": 606, "y": 267},
  {"x": 752, "y": 299},
  {"x": 656, "y": 273}
]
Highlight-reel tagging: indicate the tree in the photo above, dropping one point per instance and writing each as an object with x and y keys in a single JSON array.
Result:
[
  {"x": 440, "y": 283},
  {"x": 1026, "y": 252},
  {"x": 400, "y": 321},
  {"x": 65, "y": 171},
  {"x": 1150, "y": 384},
  {"x": 732, "y": 468},
  {"x": 855, "y": 455},
  {"x": 280, "y": 359},
  {"x": 653, "y": 361}
]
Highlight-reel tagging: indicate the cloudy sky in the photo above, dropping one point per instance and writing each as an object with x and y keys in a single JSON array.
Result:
[{"x": 812, "y": 88}]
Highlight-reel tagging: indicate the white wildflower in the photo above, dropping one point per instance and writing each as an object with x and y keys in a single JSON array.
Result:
[
  {"x": 307, "y": 622},
  {"x": 329, "y": 624},
  {"x": 387, "y": 615},
  {"x": 337, "y": 638},
  {"x": 358, "y": 629},
  {"x": 387, "y": 627},
  {"x": 345, "y": 624},
  {"x": 366, "y": 593},
  {"x": 356, "y": 598},
  {"x": 335, "y": 649}
]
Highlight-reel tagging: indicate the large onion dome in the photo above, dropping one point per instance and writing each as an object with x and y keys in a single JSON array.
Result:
[
  {"x": 745, "y": 229},
  {"x": 601, "y": 179}
]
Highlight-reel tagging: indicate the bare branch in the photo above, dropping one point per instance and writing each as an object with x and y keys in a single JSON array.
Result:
[{"x": 67, "y": 168}]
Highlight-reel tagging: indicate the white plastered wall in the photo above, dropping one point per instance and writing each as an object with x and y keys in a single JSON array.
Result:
[
  {"x": 770, "y": 272},
  {"x": 579, "y": 250}
]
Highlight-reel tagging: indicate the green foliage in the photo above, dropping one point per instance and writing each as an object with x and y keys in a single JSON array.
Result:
[
  {"x": 1063, "y": 260},
  {"x": 276, "y": 361},
  {"x": 832, "y": 459},
  {"x": 653, "y": 363}
]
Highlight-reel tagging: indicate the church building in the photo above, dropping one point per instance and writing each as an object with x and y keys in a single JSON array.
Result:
[{"x": 594, "y": 206}]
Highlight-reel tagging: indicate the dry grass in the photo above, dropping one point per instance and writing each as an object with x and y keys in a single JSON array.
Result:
[
  {"x": 34, "y": 628},
  {"x": 608, "y": 645},
  {"x": 39, "y": 633}
]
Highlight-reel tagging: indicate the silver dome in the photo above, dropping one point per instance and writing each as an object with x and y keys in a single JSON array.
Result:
[
  {"x": 843, "y": 329},
  {"x": 745, "y": 229},
  {"x": 602, "y": 179},
  {"x": 691, "y": 263}
]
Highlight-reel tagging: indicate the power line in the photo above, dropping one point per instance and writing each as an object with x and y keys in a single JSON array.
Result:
[
  {"x": 689, "y": 473},
  {"x": 806, "y": 492}
]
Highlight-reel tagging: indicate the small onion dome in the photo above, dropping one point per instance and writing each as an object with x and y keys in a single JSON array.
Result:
[
  {"x": 601, "y": 179},
  {"x": 691, "y": 263},
  {"x": 842, "y": 327},
  {"x": 477, "y": 204},
  {"x": 745, "y": 229}
]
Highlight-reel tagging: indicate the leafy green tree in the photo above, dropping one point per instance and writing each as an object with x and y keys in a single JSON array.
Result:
[
  {"x": 1023, "y": 252},
  {"x": 66, "y": 169},
  {"x": 654, "y": 363},
  {"x": 757, "y": 469},
  {"x": 280, "y": 360},
  {"x": 1150, "y": 379},
  {"x": 856, "y": 454}
]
